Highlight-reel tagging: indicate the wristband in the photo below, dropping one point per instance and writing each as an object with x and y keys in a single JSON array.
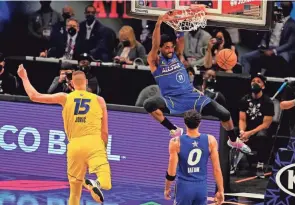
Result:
[{"x": 170, "y": 178}]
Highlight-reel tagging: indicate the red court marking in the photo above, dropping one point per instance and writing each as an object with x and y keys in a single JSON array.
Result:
[
  {"x": 32, "y": 185},
  {"x": 251, "y": 178}
]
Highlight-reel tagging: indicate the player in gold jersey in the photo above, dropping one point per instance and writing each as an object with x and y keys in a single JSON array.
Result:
[{"x": 86, "y": 125}]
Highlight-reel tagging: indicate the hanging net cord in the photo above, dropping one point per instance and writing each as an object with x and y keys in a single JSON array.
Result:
[{"x": 187, "y": 20}]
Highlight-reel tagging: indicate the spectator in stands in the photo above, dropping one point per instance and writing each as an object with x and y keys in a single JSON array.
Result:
[
  {"x": 256, "y": 113},
  {"x": 221, "y": 40},
  {"x": 129, "y": 48},
  {"x": 40, "y": 26},
  {"x": 147, "y": 92},
  {"x": 60, "y": 27},
  {"x": 208, "y": 87},
  {"x": 195, "y": 47},
  {"x": 69, "y": 46},
  {"x": 84, "y": 62},
  {"x": 98, "y": 40},
  {"x": 279, "y": 42},
  {"x": 62, "y": 83},
  {"x": 8, "y": 82}
]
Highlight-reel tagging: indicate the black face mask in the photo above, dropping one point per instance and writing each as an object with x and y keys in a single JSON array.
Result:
[
  {"x": 211, "y": 83},
  {"x": 66, "y": 16},
  {"x": 1, "y": 68},
  {"x": 45, "y": 5},
  {"x": 193, "y": 32},
  {"x": 126, "y": 43},
  {"x": 90, "y": 18},
  {"x": 72, "y": 31},
  {"x": 85, "y": 69},
  {"x": 255, "y": 88}
]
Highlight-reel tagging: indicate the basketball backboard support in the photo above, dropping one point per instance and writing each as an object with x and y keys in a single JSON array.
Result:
[{"x": 247, "y": 14}]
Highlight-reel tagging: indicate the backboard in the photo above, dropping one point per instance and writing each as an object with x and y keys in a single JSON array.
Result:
[{"x": 248, "y": 14}]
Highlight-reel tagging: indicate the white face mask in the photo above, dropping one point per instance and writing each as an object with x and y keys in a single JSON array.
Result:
[{"x": 191, "y": 78}]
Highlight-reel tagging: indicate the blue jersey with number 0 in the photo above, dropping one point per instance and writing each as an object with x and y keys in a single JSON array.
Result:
[
  {"x": 193, "y": 158},
  {"x": 172, "y": 77}
]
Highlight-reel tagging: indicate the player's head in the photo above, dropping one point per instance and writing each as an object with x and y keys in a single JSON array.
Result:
[
  {"x": 79, "y": 80},
  {"x": 192, "y": 119},
  {"x": 258, "y": 83},
  {"x": 167, "y": 46}
]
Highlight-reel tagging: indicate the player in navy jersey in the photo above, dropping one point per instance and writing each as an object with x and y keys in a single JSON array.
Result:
[
  {"x": 177, "y": 92},
  {"x": 188, "y": 160}
]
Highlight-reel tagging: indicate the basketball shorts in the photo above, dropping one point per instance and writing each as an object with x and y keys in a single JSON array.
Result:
[
  {"x": 86, "y": 152},
  {"x": 179, "y": 104},
  {"x": 190, "y": 193}
]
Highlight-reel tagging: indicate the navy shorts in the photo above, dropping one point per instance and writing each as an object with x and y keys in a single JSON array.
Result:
[
  {"x": 190, "y": 193},
  {"x": 179, "y": 104}
]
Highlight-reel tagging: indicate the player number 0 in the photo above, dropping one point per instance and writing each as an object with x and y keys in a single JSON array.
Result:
[{"x": 191, "y": 158}]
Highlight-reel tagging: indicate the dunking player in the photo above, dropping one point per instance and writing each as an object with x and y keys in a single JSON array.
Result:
[
  {"x": 190, "y": 153},
  {"x": 176, "y": 89},
  {"x": 86, "y": 125}
]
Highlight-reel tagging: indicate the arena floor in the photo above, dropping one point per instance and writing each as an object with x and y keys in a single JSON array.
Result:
[{"x": 33, "y": 190}]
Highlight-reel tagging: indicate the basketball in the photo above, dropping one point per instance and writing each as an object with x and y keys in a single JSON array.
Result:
[{"x": 226, "y": 59}]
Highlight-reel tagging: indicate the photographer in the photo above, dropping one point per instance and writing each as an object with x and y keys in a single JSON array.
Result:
[
  {"x": 62, "y": 83},
  {"x": 8, "y": 82},
  {"x": 220, "y": 41},
  {"x": 84, "y": 62}
]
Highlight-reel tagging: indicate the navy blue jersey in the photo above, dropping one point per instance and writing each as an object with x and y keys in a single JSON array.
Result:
[
  {"x": 172, "y": 77},
  {"x": 193, "y": 158}
]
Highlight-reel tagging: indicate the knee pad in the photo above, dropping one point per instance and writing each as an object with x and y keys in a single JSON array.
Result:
[
  {"x": 225, "y": 116},
  {"x": 149, "y": 106}
]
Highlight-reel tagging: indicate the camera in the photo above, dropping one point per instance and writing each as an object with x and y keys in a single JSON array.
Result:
[
  {"x": 69, "y": 76},
  {"x": 218, "y": 41}
]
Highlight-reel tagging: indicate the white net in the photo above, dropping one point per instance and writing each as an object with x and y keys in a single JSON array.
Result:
[{"x": 187, "y": 20}]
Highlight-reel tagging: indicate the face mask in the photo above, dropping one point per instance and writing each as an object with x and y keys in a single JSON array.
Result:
[
  {"x": 85, "y": 68},
  {"x": 193, "y": 32},
  {"x": 90, "y": 18},
  {"x": 255, "y": 88},
  {"x": 191, "y": 78},
  {"x": 210, "y": 83},
  {"x": 66, "y": 16},
  {"x": 72, "y": 31},
  {"x": 1, "y": 68},
  {"x": 126, "y": 43}
]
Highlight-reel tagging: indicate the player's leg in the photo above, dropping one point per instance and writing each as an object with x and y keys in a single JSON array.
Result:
[
  {"x": 217, "y": 110},
  {"x": 76, "y": 168},
  {"x": 156, "y": 106},
  {"x": 99, "y": 165}
]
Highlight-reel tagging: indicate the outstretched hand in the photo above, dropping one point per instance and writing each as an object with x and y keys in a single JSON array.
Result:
[{"x": 22, "y": 73}]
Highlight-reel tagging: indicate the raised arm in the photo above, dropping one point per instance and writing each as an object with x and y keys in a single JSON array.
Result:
[
  {"x": 173, "y": 161},
  {"x": 35, "y": 96},
  {"x": 180, "y": 46},
  {"x": 213, "y": 147},
  {"x": 104, "y": 123},
  {"x": 153, "y": 54}
]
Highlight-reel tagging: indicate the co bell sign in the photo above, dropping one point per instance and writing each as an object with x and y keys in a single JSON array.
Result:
[{"x": 285, "y": 179}]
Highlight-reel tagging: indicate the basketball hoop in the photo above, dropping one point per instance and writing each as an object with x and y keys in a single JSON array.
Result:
[{"x": 187, "y": 19}]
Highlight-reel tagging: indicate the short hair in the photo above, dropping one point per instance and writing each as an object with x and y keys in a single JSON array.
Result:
[
  {"x": 165, "y": 39},
  {"x": 73, "y": 19},
  {"x": 78, "y": 72},
  {"x": 192, "y": 119},
  {"x": 89, "y": 6}
]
